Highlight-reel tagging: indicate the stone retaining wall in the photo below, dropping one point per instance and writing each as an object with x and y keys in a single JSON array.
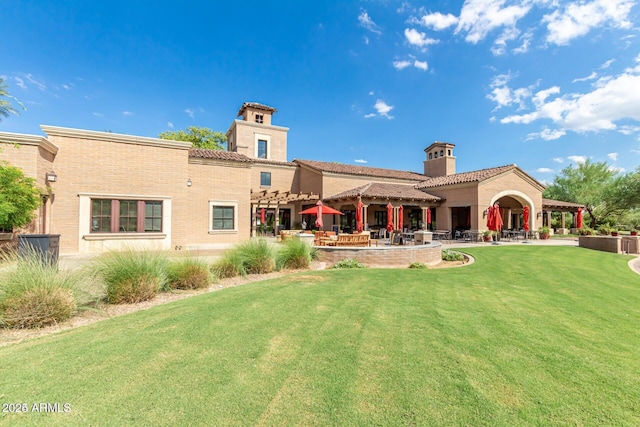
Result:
[
  {"x": 615, "y": 244},
  {"x": 383, "y": 256}
]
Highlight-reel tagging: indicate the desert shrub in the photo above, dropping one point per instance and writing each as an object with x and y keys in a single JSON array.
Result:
[
  {"x": 35, "y": 294},
  {"x": 449, "y": 255},
  {"x": 294, "y": 254},
  {"x": 188, "y": 273},
  {"x": 257, "y": 256},
  {"x": 229, "y": 265},
  {"x": 586, "y": 231},
  {"x": 417, "y": 265},
  {"x": 349, "y": 263},
  {"x": 132, "y": 276}
]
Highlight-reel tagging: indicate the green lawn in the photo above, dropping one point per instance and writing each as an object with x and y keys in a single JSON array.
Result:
[{"x": 527, "y": 335}]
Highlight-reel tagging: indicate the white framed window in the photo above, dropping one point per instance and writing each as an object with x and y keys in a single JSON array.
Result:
[
  {"x": 262, "y": 146},
  {"x": 223, "y": 216},
  {"x": 265, "y": 179}
]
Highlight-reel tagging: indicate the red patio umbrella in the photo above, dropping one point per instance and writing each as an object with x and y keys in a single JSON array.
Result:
[
  {"x": 525, "y": 218},
  {"x": 498, "y": 214},
  {"x": 326, "y": 210},
  {"x": 389, "y": 217},
  {"x": 428, "y": 216},
  {"x": 491, "y": 219},
  {"x": 320, "y": 210},
  {"x": 319, "y": 223},
  {"x": 262, "y": 215},
  {"x": 400, "y": 217},
  {"x": 579, "y": 218},
  {"x": 359, "y": 225}
]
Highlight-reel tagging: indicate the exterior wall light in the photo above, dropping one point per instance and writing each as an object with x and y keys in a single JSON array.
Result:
[
  {"x": 539, "y": 214},
  {"x": 189, "y": 183},
  {"x": 485, "y": 213},
  {"x": 51, "y": 176}
]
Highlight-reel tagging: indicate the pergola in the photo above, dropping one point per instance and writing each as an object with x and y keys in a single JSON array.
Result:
[
  {"x": 275, "y": 198},
  {"x": 549, "y": 205}
]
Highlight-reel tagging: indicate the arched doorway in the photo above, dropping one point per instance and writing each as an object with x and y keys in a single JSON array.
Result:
[{"x": 512, "y": 205}]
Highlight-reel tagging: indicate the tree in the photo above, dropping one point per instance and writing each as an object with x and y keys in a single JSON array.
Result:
[
  {"x": 19, "y": 197},
  {"x": 605, "y": 193},
  {"x": 5, "y": 106},
  {"x": 201, "y": 137}
]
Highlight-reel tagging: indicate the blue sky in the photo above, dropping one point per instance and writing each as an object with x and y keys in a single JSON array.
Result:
[{"x": 539, "y": 83}]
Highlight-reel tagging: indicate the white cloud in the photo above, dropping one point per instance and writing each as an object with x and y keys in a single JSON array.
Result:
[
  {"x": 616, "y": 169},
  {"x": 607, "y": 64},
  {"x": 20, "y": 83},
  {"x": 438, "y": 21},
  {"x": 577, "y": 159},
  {"x": 547, "y": 134},
  {"x": 421, "y": 65},
  {"x": 366, "y": 22},
  {"x": 500, "y": 45},
  {"x": 526, "y": 42},
  {"x": 127, "y": 113},
  {"x": 577, "y": 18},
  {"x": 611, "y": 99},
  {"x": 170, "y": 125},
  {"x": 401, "y": 65},
  {"x": 383, "y": 110},
  {"x": 35, "y": 82},
  {"x": 190, "y": 112},
  {"x": 98, "y": 114},
  {"x": 545, "y": 170},
  {"x": 613, "y": 156},
  {"x": 479, "y": 17},
  {"x": 418, "y": 39},
  {"x": 360, "y": 160},
  {"x": 591, "y": 76},
  {"x": 558, "y": 159},
  {"x": 504, "y": 96}
]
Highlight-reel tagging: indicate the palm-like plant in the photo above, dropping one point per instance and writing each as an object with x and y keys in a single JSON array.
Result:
[{"x": 5, "y": 106}]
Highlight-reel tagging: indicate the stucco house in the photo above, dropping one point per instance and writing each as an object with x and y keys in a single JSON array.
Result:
[{"x": 108, "y": 191}]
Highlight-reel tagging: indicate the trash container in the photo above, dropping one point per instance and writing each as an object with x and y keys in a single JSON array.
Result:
[{"x": 45, "y": 246}]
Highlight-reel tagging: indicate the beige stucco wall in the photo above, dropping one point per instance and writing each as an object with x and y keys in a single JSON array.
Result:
[
  {"x": 219, "y": 183},
  {"x": 245, "y": 135},
  {"x": 283, "y": 177},
  {"x": 479, "y": 196},
  {"x": 88, "y": 167},
  {"x": 34, "y": 156}
]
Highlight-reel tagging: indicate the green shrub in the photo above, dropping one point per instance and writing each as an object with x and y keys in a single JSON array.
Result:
[
  {"x": 258, "y": 257},
  {"x": 35, "y": 294},
  {"x": 294, "y": 254},
  {"x": 416, "y": 264},
  {"x": 132, "y": 276},
  {"x": 349, "y": 263},
  {"x": 449, "y": 255},
  {"x": 229, "y": 265},
  {"x": 188, "y": 273}
]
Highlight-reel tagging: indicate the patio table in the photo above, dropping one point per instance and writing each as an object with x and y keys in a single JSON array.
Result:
[
  {"x": 472, "y": 235},
  {"x": 442, "y": 234}
]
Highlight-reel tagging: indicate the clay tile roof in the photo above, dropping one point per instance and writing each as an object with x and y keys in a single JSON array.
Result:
[
  {"x": 360, "y": 170},
  {"x": 459, "y": 178},
  {"x": 273, "y": 162},
  {"x": 385, "y": 191},
  {"x": 550, "y": 203},
  {"x": 257, "y": 106},
  {"x": 218, "y": 155}
]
